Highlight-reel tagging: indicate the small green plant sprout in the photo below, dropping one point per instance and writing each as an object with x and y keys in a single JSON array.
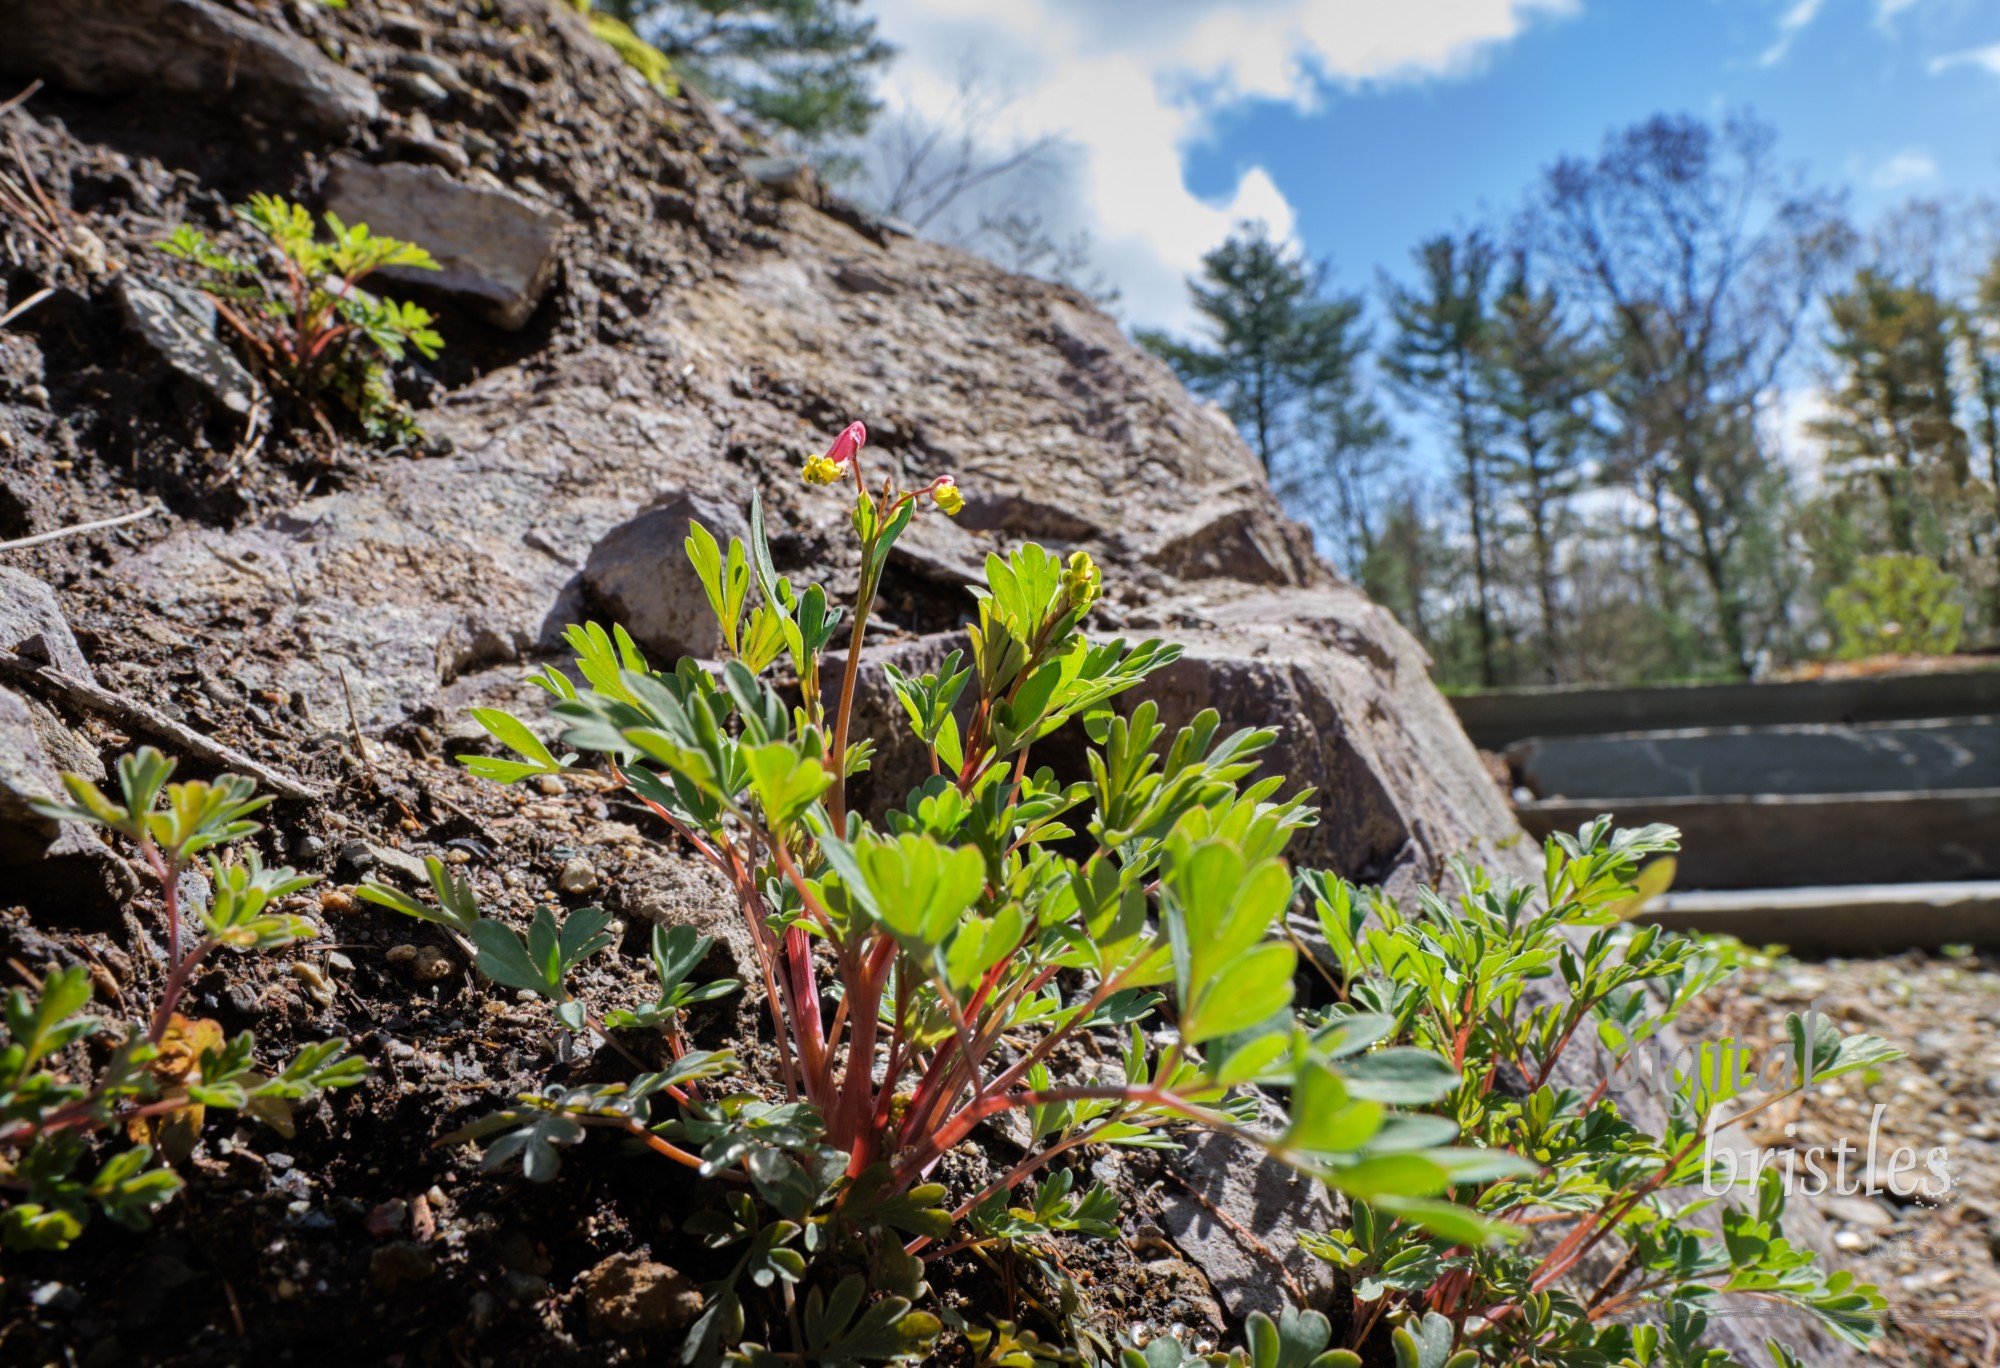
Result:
[
  {"x": 1624, "y": 1241},
  {"x": 939, "y": 934},
  {"x": 677, "y": 952},
  {"x": 313, "y": 330},
  {"x": 541, "y": 962},
  {"x": 1896, "y": 605},
  {"x": 160, "y": 1078}
]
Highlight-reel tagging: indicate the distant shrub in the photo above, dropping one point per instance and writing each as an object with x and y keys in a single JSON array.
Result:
[{"x": 1896, "y": 605}]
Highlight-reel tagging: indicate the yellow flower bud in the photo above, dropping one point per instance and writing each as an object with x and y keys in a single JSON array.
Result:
[
  {"x": 1082, "y": 582},
  {"x": 945, "y": 494}
]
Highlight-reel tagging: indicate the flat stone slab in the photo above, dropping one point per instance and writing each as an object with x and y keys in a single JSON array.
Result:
[
  {"x": 183, "y": 47},
  {"x": 1885, "y": 757},
  {"x": 179, "y": 324},
  {"x": 1781, "y": 841},
  {"x": 1856, "y": 919},
  {"x": 496, "y": 250},
  {"x": 1496, "y": 720}
]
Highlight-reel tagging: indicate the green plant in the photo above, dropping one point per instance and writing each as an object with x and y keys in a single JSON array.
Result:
[
  {"x": 314, "y": 330},
  {"x": 159, "y": 1079},
  {"x": 1896, "y": 605},
  {"x": 1471, "y": 977},
  {"x": 941, "y": 933},
  {"x": 653, "y": 65}
]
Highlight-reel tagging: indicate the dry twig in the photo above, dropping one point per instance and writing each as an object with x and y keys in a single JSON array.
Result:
[
  {"x": 130, "y": 712},
  {"x": 77, "y": 528}
]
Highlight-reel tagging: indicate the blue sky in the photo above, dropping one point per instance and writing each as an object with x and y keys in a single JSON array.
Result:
[
  {"x": 1361, "y": 126},
  {"x": 1853, "y": 95}
]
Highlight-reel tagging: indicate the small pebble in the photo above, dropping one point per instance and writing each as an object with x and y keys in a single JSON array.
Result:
[
  {"x": 316, "y": 984},
  {"x": 457, "y": 856},
  {"x": 401, "y": 954},
  {"x": 336, "y": 960},
  {"x": 336, "y": 900},
  {"x": 1850, "y": 1240},
  {"x": 578, "y": 877},
  {"x": 430, "y": 964},
  {"x": 550, "y": 784}
]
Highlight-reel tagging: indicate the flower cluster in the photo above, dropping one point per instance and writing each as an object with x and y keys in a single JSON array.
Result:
[{"x": 845, "y": 456}]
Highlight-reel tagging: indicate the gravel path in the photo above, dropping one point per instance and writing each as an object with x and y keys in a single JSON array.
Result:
[{"x": 1937, "y": 1262}]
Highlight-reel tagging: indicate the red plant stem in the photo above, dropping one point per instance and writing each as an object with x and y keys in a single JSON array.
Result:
[
  {"x": 1027, "y": 1168},
  {"x": 1149, "y": 1094},
  {"x": 1555, "y": 1054},
  {"x": 864, "y": 602},
  {"x": 940, "y": 1087},
  {"x": 170, "y": 996},
  {"x": 857, "y": 1097}
]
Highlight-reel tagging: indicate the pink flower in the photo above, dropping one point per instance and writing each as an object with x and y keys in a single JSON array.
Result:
[{"x": 846, "y": 444}]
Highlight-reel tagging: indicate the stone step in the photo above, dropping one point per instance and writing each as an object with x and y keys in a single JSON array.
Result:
[
  {"x": 1872, "y": 758},
  {"x": 1496, "y": 720},
  {"x": 1808, "y": 840},
  {"x": 1852, "y": 919}
]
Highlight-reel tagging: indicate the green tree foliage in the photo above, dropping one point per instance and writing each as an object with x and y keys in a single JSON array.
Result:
[
  {"x": 1287, "y": 361},
  {"x": 1545, "y": 370},
  {"x": 1896, "y": 604},
  {"x": 1439, "y": 359},
  {"x": 1894, "y": 419},
  {"x": 801, "y": 66}
]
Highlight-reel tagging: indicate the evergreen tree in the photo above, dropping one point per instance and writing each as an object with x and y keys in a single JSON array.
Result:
[
  {"x": 1287, "y": 361},
  {"x": 1544, "y": 370},
  {"x": 798, "y": 65},
  {"x": 1438, "y": 357},
  {"x": 1257, "y": 297},
  {"x": 1894, "y": 415}
]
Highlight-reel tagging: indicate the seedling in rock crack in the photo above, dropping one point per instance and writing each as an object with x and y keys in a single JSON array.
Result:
[
  {"x": 317, "y": 330},
  {"x": 541, "y": 961},
  {"x": 677, "y": 952},
  {"x": 161, "y": 1078},
  {"x": 457, "y": 903}
]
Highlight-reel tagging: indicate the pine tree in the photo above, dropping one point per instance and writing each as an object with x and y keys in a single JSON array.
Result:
[
  {"x": 797, "y": 65},
  {"x": 1287, "y": 361},
  {"x": 1894, "y": 420},
  {"x": 1438, "y": 358},
  {"x": 1256, "y": 296},
  {"x": 1544, "y": 370}
]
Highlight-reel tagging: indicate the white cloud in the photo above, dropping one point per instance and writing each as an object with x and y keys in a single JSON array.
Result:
[
  {"x": 1790, "y": 25},
  {"x": 1131, "y": 87},
  {"x": 1910, "y": 166},
  {"x": 1988, "y": 57}
]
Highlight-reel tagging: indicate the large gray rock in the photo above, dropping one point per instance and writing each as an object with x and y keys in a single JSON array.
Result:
[
  {"x": 183, "y": 47},
  {"x": 179, "y": 324},
  {"x": 37, "y": 854},
  {"x": 639, "y": 574},
  {"x": 495, "y": 249},
  {"x": 1238, "y": 1216},
  {"x": 32, "y": 624}
]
